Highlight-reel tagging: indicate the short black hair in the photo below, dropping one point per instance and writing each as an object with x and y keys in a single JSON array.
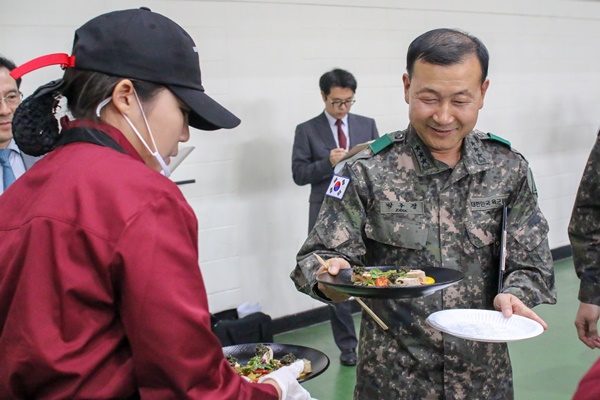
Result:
[
  {"x": 446, "y": 47},
  {"x": 337, "y": 78},
  {"x": 9, "y": 65}
]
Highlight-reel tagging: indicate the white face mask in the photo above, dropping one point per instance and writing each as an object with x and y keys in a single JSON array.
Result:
[{"x": 165, "y": 169}]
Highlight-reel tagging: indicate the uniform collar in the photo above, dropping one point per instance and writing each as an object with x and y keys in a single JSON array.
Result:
[{"x": 474, "y": 157}]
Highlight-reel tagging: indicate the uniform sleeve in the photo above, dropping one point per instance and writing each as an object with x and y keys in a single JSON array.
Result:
[
  {"x": 529, "y": 268},
  {"x": 164, "y": 309},
  {"x": 306, "y": 168},
  {"x": 337, "y": 233},
  {"x": 584, "y": 230}
]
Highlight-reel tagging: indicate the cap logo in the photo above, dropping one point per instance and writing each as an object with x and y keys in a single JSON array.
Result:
[{"x": 195, "y": 49}]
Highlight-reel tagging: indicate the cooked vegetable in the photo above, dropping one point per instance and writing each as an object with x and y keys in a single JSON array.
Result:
[
  {"x": 402, "y": 276},
  {"x": 232, "y": 360},
  {"x": 288, "y": 359},
  {"x": 261, "y": 349},
  {"x": 263, "y": 363}
]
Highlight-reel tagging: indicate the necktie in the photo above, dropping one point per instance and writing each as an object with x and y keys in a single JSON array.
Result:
[
  {"x": 7, "y": 172},
  {"x": 341, "y": 136}
]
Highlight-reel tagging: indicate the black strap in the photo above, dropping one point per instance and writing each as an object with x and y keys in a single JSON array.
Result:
[{"x": 88, "y": 135}]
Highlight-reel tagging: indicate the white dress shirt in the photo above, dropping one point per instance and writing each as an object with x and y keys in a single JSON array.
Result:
[{"x": 16, "y": 162}]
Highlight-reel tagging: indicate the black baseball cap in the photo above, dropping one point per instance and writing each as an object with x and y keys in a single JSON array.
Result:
[{"x": 144, "y": 45}]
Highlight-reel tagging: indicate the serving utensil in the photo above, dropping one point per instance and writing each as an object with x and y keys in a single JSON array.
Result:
[{"x": 358, "y": 300}]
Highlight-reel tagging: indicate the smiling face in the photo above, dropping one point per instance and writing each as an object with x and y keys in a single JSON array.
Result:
[
  {"x": 8, "y": 88},
  {"x": 444, "y": 102}
]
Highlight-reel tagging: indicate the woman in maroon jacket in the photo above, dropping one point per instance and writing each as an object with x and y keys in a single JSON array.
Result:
[{"x": 101, "y": 295}]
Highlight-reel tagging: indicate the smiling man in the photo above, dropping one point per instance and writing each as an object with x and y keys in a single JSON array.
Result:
[
  {"x": 12, "y": 160},
  {"x": 432, "y": 196}
]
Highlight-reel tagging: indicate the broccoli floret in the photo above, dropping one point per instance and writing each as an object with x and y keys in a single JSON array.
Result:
[
  {"x": 393, "y": 276},
  {"x": 287, "y": 359},
  {"x": 260, "y": 350},
  {"x": 231, "y": 360},
  {"x": 359, "y": 269}
]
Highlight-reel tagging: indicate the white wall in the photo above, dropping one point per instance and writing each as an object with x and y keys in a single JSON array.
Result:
[{"x": 262, "y": 59}]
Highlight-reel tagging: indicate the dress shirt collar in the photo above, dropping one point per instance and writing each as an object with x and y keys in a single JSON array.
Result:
[
  {"x": 332, "y": 120},
  {"x": 13, "y": 146}
]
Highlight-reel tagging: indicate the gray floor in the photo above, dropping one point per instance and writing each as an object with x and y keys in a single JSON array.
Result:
[{"x": 547, "y": 367}]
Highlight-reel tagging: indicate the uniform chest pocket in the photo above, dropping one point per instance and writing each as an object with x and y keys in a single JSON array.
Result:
[
  {"x": 483, "y": 227},
  {"x": 398, "y": 230}
]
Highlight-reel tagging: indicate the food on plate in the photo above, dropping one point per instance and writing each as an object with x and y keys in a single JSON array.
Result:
[
  {"x": 402, "y": 276},
  {"x": 263, "y": 363}
]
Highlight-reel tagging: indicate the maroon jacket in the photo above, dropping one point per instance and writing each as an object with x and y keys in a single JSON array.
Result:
[
  {"x": 589, "y": 386},
  {"x": 100, "y": 289}
]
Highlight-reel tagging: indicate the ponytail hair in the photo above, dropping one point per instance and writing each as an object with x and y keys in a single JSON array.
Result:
[{"x": 35, "y": 127}]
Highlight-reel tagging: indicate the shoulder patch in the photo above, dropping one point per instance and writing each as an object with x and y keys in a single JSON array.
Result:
[
  {"x": 499, "y": 139},
  {"x": 386, "y": 140},
  {"x": 381, "y": 144},
  {"x": 337, "y": 187}
]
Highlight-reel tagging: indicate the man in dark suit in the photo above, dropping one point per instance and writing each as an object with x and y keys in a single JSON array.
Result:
[
  {"x": 13, "y": 162},
  {"x": 319, "y": 144}
]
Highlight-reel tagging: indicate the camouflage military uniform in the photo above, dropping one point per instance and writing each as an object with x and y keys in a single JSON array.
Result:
[
  {"x": 404, "y": 208},
  {"x": 584, "y": 230}
]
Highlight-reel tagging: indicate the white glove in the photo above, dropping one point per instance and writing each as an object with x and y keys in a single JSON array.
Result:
[{"x": 286, "y": 378}]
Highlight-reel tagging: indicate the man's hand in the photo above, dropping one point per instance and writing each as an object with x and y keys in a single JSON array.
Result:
[
  {"x": 510, "y": 304},
  {"x": 333, "y": 267},
  {"x": 586, "y": 323},
  {"x": 336, "y": 155}
]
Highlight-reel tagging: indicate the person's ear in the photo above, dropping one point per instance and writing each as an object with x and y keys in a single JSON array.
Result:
[
  {"x": 324, "y": 96},
  {"x": 406, "y": 83},
  {"x": 123, "y": 96},
  {"x": 484, "y": 88}
]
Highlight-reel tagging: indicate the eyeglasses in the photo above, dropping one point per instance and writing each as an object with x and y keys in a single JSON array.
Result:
[
  {"x": 13, "y": 99},
  {"x": 340, "y": 103}
]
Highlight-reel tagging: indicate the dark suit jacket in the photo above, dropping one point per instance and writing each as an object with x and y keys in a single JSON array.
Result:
[{"x": 313, "y": 142}]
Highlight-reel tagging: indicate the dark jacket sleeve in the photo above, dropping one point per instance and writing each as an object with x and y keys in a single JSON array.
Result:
[{"x": 310, "y": 158}]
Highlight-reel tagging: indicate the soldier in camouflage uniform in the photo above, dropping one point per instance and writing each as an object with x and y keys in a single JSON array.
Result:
[
  {"x": 432, "y": 196},
  {"x": 584, "y": 234}
]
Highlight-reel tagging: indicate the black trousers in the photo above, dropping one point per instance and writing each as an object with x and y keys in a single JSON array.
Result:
[{"x": 342, "y": 323}]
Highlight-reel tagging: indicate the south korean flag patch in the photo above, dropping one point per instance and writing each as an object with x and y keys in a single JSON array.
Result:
[{"x": 338, "y": 187}]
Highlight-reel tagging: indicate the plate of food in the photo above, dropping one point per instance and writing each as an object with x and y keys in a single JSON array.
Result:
[
  {"x": 484, "y": 325},
  {"x": 254, "y": 360},
  {"x": 391, "y": 282}
]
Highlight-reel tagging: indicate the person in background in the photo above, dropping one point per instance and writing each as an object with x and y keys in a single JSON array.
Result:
[
  {"x": 584, "y": 235},
  {"x": 319, "y": 144},
  {"x": 14, "y": 163},
  {"x": 432, "y": 195},
  {"x": 101, "y": 295}
]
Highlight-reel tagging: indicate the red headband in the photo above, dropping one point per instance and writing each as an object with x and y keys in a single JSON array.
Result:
[{"x": 63, "y": 59}]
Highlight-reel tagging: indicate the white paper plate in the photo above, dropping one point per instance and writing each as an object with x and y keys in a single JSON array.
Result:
[{"x": 484, "y": 325}]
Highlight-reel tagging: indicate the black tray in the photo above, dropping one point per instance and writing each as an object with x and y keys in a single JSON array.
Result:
[
  {"x": 318, "y": 360},
  {"x": 443, "y": 277}
]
